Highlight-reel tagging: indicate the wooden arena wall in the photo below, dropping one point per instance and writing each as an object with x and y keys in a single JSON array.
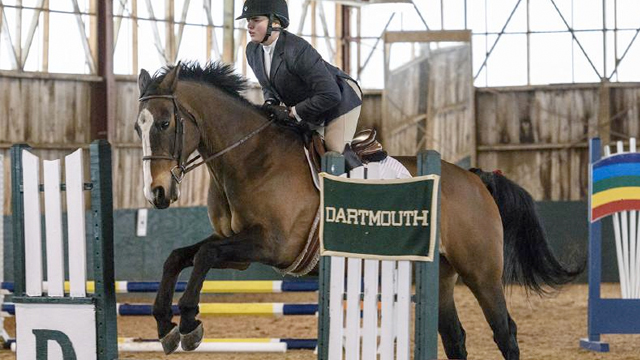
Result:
[{"x": 535, "y": 135}]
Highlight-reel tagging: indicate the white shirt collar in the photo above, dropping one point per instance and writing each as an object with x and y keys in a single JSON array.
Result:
[{"x": 269, "y": 48}]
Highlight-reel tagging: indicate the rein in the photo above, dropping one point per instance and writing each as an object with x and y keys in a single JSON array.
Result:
[{"x": 188, "y": 166}]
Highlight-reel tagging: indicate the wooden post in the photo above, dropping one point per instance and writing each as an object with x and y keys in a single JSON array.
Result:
[
  {"x": 45, "y": 37},
  {"x": 604, "y": 118},
  {"x": 134, "y": 36},
  {"x": 170, "y": 38},
  {"x": 228, "y": 40},
  {"x": 345, "y": 61},
  {"x": 93, "y": 30},
  {"x": 314, "y": 34},
  {"x": 18, "y": 35},
  {"x": 337, "y": 60},
  {"x": 103, "y": 92}
]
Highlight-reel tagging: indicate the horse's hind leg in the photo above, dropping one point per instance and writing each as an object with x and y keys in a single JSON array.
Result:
[
  {"x": 490, "y": 296},
  {"x": 178, "y": 260},
  {"x": 451, "y": 331}
]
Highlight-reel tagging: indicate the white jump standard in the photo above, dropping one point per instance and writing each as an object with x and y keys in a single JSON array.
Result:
[{"x": 43, "y": 329}]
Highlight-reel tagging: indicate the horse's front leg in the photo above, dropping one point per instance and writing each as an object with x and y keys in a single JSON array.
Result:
[
  {"x": 243, "y": 247},
  {"x": 178, "y": 260}
]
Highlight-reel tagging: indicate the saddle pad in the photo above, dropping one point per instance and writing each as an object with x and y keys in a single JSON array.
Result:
[{"x": 390, "y": 168}]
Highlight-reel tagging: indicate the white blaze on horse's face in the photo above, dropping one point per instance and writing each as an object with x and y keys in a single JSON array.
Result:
[{"x": 145, "y": 122}]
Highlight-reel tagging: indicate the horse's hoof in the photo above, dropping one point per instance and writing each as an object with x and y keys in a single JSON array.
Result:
[
  {"x": 193, "y": 339},
  {"x": 171, "y": 341}
]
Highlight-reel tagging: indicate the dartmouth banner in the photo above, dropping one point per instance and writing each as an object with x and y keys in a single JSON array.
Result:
[{"x": 379, "y": 219}]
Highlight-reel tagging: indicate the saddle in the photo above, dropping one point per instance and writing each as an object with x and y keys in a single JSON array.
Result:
[{"x": 363, "y": 149}]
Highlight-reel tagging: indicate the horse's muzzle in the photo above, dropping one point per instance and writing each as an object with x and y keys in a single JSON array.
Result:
[{"x": 160, "y": 200}]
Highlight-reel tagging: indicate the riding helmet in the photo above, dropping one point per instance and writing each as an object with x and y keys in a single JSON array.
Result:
[{"x": 277, "y": 8}]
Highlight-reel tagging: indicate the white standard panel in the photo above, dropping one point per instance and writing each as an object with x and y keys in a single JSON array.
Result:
[
  {"x": 74, "y": 176},
  {"x": 370, "y": 310},
  {"x": 404, "y": 310},
  {"x": 352, "y": 336},
  {"x": 386, "y": 310},
  {"x": 32, "y": 223},
  {"x": 635, "y": 246},
  {"x": 77, "y": 323},
  {"x": 53, "y": 228},
  {"x": 336, "y": 310}
]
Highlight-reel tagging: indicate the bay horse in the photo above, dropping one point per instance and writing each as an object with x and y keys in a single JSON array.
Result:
[{"x": 262, "y": 202}]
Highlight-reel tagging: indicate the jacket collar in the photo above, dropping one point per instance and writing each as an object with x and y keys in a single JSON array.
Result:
[{"x": 277, "y": 55}]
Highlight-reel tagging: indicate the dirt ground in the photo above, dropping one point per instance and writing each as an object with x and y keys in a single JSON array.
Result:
[{"x": 548, "y": 328}]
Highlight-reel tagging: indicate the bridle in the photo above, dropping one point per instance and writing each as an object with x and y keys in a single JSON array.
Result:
[{"x": 187, "y": 166}]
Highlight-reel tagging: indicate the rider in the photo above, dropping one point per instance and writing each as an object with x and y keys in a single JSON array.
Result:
[{"x": 291, "y": 72}]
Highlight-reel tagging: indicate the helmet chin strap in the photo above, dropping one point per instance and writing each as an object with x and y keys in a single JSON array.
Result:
[{"x": 270, "y": 29}]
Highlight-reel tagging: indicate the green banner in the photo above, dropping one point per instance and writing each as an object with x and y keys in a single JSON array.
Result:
[{"x": 379, "y": 219}]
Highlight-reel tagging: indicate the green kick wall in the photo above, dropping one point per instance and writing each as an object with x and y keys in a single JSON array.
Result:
[{"x": 141, "y": 258}]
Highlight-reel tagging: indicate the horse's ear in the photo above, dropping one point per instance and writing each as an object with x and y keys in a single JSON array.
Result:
[
  {"x": 143, "y": 80},
  {"x": 170, "y": 81}
]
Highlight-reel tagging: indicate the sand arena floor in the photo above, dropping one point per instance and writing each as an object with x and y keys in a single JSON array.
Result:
[{"x": 548, "y": 328}]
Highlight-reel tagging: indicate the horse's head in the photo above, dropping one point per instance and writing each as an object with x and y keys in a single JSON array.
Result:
[{"x": 169, "y": 135}]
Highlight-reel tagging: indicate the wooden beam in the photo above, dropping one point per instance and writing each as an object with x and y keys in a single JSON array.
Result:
[
  {"x": 183, "y": 19},
  {"x": 427, "y": 36},
  {"x": 35, "y": 19},
  {"x": 339, "y": 27},
  {"x": 325, "y": 29},
  {"x": 6, "y": 34},
  {"x": 212, "y": 40},
  {"x": 604, "y": 110},
  {"x": 17, "y": 45},
  {"x": 345, "y": 36},
  {"x": 45, "y": 38},
  {"x": 134, "y": 37},
  {"x": 228, "y": 39},
  {"x": 314, "y": 23},
  {"x": 170, "y": 35},
  {"x": 93, "y": 30},
  {"x": 156, "y": 34},
  {"x": 49, "y": 76},
  {"x": 103, "y": 92},
  {"x": 83, "y": 38},
  {"x": 117, "y": 20},
  {"x": 359, "y": 42}
]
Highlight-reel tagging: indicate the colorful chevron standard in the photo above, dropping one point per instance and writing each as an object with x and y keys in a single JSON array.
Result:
[{"x": 616, "y": 185}]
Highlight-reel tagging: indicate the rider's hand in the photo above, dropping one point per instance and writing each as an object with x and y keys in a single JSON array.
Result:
[{"x": 279, "y": 113}]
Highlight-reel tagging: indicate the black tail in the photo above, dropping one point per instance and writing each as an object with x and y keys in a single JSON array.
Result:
[{"x": 528, "y": 260}]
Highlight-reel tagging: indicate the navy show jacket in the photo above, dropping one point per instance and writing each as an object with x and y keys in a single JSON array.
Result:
[{"x": 300, "y": 77}]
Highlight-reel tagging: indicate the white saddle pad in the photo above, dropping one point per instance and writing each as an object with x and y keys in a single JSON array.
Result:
[{"x": 389, "y": 168}]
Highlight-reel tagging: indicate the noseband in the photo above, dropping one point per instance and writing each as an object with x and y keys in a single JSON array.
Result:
[{"x": 187, "y": 166}]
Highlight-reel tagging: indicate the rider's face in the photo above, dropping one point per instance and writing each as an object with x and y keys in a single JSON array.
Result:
[{"x": 257, "y": 27}]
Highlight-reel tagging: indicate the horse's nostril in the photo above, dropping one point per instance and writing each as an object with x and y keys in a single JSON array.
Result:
[{"x": 158, "y": 193}]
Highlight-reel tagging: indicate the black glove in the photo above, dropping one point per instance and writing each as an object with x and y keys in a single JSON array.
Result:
[
  {"x": 268, "y": 103},
  {"x": 279, "y": 113}
]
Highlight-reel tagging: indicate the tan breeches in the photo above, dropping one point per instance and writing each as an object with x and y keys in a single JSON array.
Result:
[{"x": 340, "y": 131}]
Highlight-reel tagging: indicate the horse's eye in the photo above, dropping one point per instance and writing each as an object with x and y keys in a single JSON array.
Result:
[{"x": 164, "y": 125}]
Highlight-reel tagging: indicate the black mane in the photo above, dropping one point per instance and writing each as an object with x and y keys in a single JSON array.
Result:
[{"x": 214, "y": 73}]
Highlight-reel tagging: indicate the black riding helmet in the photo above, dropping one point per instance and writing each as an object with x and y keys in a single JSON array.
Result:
[{"x": 273, "y": 9}]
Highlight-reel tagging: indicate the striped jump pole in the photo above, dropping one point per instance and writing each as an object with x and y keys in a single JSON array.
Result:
[
  {"x": 364, "y": 224},
  {"x": 213, "y": 309},
  {"x": 43, "y": 326},
  {"x": 248, "y": 345},
  {"x": 614, "y": 191},
  {"x": 208, "y": 287}
]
